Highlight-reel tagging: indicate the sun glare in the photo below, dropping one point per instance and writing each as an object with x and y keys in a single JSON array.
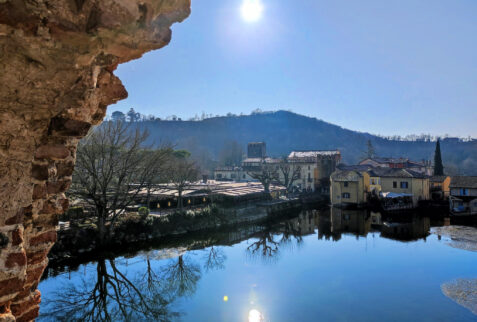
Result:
[
  {"x": 251, "y": 10},
  {"x": 255, "y": 316}
]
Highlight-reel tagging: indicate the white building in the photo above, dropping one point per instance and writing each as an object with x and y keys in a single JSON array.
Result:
[
  {"x": 316, "y": 168},
  {"x": 231, "y": 174}
]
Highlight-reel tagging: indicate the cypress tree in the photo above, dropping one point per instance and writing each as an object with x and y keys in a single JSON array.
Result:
[
  {"x": 438, "y": 167},
  {"x": 371, "y": 152}
]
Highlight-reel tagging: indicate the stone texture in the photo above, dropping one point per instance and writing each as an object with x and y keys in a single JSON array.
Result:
[
  {"x": 16, "y": 259},
  {"x": 43, "y": 238},
  {"x": 39, "y": 171},
  {"x": 52, "y": 152},
  {"x": 65, "y": 169},
  {"x": 39, "y": 191},
  {"x": 57, "y": 60},
  {"x": 64, "y": 127},
  {"x": 17, "y": 237},
  {"x": 55, "y": 187}
]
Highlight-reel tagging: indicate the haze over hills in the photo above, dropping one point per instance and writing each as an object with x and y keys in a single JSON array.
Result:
[{"x": 285, "y": 131}]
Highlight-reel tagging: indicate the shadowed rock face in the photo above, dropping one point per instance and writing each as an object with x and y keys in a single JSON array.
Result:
[{"x": 57, "y": 59}]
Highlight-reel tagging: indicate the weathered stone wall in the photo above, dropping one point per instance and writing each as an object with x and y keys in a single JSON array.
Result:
[{"x": 57, "y": 59}]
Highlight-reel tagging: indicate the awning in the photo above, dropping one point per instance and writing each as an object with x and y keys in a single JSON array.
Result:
[{"x": 395, "y": 195}]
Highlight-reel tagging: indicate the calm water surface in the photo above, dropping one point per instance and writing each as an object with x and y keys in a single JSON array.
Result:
[{"x": 321, "y": 266}]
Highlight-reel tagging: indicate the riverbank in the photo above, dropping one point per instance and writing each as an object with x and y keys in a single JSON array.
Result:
[{"x": 79, "y": 240}]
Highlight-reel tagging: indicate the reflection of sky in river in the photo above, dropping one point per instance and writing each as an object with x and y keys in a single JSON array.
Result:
[{"x": 366, "y": 279}]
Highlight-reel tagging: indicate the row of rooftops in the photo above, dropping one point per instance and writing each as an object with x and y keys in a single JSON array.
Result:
[
  {"x": 308, "y": 156},
  {"x": 397, "y": 163},
  {"x": 382, "y": 172},
  {"x": 393, "y": 172},
  {"x": 367, "y": 165},
  {"x": 230, "y": 168},
  {"x": 313, "y": 153},
  {"x": 199, "y": 189},
  {"x": 345, "y": 171},
  {"x": 464, "y": 182}
]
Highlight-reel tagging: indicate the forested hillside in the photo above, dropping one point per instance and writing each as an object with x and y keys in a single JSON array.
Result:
[{"x": 285, "y": 131}]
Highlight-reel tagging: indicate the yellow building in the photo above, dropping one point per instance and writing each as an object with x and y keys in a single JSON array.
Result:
[
  {"x": 401, "y": 182},
  {"x": 374, "y": 183},
  {"x": 440, "y": 187},
  {"x": 349, "y": 187}
]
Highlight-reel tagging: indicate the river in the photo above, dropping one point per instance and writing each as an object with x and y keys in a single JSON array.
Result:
[{"x": 328, "y": 265}]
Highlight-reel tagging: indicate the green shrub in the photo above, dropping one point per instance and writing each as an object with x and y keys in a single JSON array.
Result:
[{"x": 143, "y": 212}]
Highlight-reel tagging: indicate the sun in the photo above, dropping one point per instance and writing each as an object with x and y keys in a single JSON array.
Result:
[{"x": 251, "y": 10}]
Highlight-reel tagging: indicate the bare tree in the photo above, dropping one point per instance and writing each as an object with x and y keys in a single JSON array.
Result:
[
  {"x": 182, "y": 173},
  {"x": 290, "y": 172},
  {"x": 112, "y": 167},
  {"x": 266, "y": 173}
]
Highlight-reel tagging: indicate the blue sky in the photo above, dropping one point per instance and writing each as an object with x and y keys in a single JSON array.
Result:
[{"x": 385, "y": 67}]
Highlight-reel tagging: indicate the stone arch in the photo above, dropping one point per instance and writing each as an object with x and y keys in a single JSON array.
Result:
[{"x": 57, "y": 59}]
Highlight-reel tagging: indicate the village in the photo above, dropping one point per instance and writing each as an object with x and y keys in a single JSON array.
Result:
[
  {"x": 245, "y": 160},
  {"x": 389, "y": 184}
]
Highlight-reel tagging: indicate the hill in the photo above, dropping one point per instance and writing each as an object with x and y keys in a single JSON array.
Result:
[{"x": 285, "y": 131}]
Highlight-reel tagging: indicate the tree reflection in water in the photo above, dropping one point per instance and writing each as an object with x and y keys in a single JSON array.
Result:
[
  {"x": 108, "y": 293},
  {"x": 214, "y": 259},
  {"x": 291, "y": 234},
  {"x": 273, "y": 238},
  {"x": 265, "y": 246},
  {"x": 111, "y": 295},
  {"x": 181, "y": 275}
]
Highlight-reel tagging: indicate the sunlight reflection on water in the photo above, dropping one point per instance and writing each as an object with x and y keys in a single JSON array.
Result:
[{"x": 255, "y": 316}]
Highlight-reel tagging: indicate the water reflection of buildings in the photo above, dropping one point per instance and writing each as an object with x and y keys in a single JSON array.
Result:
[
  {"x": 350, "y": 221},
  {"x": 333, "y": 223},
  {"x": 417, "y": 228},
  {"x": 304, "y": 224}
]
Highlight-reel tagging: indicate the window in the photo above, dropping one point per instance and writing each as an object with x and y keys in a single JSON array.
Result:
[
  {"x": 464, "y": 191},
  {"x": 346, "y": 195},
  {"x": 244, "y": 176},
  {"x": 232, "y": 175},
  {"x": 219, "y": 175},
  {"x": 345, "y": 183},
  {"x": 373, "y": 181},
  {"x": 394, "y": 184},
  {"x": 404, "y": 184}
]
